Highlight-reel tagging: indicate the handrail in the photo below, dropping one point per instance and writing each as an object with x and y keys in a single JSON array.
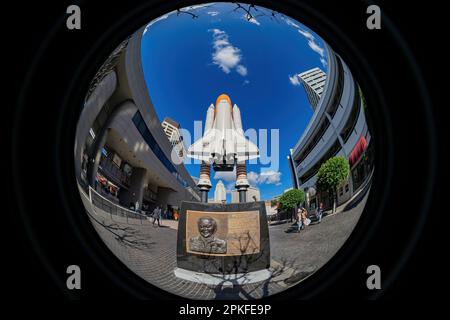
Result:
[{"x": 106, "y": 205}]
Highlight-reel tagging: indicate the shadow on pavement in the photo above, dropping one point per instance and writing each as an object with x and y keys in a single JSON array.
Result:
[
  {"x": 160, "y": 226},
  {"x": 353, "y": 203}
]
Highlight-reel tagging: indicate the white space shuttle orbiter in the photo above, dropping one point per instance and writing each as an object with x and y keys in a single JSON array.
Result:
[{"x": 223, "y": 142}]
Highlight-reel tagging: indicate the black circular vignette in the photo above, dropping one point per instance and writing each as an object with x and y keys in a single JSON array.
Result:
[{"x": 61, "y": 233}]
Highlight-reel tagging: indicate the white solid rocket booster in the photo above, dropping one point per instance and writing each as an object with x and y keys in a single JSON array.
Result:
[
  {"x": 224, "y": 145},
  {"x": 223, "y": 142}
]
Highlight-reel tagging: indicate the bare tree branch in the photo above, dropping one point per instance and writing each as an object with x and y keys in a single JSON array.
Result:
[
  {"x": 249, "y": 15},
  {"x": 194, "y": 16}
]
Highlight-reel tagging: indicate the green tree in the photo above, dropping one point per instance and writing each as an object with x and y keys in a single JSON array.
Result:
[
  {"x": 291, "y": 199},
  {"x": 331, "y": 174},
  {"x": 363, "y": 99}
]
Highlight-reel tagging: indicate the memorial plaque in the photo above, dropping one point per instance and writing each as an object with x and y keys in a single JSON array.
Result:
[
  {"x": 235, "y": 233},
  {"x": 223, "y": 238}
]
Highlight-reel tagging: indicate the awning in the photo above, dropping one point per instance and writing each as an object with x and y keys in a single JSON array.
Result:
[{"x": 357, "y": 151}]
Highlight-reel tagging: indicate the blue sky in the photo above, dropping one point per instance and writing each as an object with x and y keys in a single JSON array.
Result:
[{"x": 188, "y": 62}]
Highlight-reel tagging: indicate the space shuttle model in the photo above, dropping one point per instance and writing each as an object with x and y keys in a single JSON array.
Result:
[{"x": 224, "y": 146}]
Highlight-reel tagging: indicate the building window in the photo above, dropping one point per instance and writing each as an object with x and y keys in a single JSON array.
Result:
[
  {"x": 330, "y": 153},
  {"x": 337, "y": 95},
  {"x": 151, "y": 142},
  {"x": 317, "y": 136},
  {"x": 363, "y": 168},
  {"x": 353, "y": 117}
]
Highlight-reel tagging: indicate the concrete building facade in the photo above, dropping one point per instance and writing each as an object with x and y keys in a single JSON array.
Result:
[
  {"x": 220, "y": 194},
  {"x": 337, "y": 127},
  {"x": 313, "y": 82},
  {"x": 172, "y": 130},
  {"x": 253, "y": 194},
  {"x": 120, "y": 142}
]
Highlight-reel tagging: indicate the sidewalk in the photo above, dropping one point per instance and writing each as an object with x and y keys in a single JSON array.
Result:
[
  {"x": 172, "y": 224},
  {"x": 346, "y": 206},
  {"x": 354, "y": 200}
]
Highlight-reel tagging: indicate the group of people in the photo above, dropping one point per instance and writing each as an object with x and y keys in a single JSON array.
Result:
[{"x": 302, "y": 217}]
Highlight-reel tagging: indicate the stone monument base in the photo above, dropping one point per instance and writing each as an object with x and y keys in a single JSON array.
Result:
[
  {"x": 223, "y": 279},
  {"x": 237, "y": 241}
]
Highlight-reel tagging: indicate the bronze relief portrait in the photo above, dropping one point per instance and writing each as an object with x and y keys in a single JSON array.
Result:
[{"x": 207, "y": 241}]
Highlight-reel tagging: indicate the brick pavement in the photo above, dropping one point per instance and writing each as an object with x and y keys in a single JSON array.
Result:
[{"x": 150, "y": 252}]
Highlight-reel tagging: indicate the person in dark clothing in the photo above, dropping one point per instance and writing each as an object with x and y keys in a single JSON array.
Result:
[
  {"x": 157, "y": 215},
  {"x": 319, "y": 213}
]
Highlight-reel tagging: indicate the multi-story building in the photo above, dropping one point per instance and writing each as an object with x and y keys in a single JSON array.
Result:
[
  {"x": 220, "y": 194},
  {"x": 314, "y": 82},
  {"x": 120, "y": 143},
  {"x": 253, "y": 194},
  {"x": 337, "y": 127},
  {"x": 172, "y": 130}
]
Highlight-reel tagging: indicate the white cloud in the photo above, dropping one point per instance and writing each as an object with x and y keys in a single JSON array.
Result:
[
  {"x": 306, "y": 34},
  {"x": 230, "y": 187},
  {"x": 227, "y": 58},
  {"x": 294, "y": 80},
  {"x": 311, "y": 40},
  {"x": 227, "y": 176},
  {"x": 241, "y": 70},
  {"x": 251, "y": 19},
  {"x": 265, "y": 177},
  {"x": 270, "y": 177},
  {"x": 221, "y": 43},
  {"x": 213, "y": 13},
  {"x": 315, "y": 47},
  {"x": 246, "y": 82},
  {"x": 252, "y": 177},
  {"x": 313, "y": 44},
  {"x": 217, "y": 31},
  {"x": 225, "y": 55},
  {"x": 291, "y": 23},
  {"x": 199, "y": 6},
  {"x": 154, "y": 21}
]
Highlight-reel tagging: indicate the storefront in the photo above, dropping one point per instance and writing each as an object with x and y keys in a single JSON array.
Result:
[
  {"x": 311, "y": 199},
  {"x": 107, "y": 189},
  {"x": 361, "y": 163}
]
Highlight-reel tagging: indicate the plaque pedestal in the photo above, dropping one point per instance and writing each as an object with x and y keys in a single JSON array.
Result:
[
  {"x": 231, "y": 240},
  {"x": 223, "y": 279}
]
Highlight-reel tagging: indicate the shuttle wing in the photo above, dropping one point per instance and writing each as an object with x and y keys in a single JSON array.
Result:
[
  {"x": 203, "y": 147},
  {"x": 245, "y": 149}
]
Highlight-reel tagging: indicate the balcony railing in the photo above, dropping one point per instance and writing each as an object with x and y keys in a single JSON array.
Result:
[
  {"x": 113, "y": 171},
  {"x": 113, "y": 209},
  {"x": 149, "y": 195}
]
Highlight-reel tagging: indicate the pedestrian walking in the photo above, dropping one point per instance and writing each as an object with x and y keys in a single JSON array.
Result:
[
  {"x": 136, "y": 206},
  {"x": 153, "y": 215},
  {"x": 304, "y": 218},
  {"x": 299, "y": 219},
  {"x": 319, "y": 213},
  {"x": 157, "y": 215}
]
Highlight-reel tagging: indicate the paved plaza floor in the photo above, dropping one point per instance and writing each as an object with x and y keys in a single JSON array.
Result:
[{"x": 150, "y": 252}]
